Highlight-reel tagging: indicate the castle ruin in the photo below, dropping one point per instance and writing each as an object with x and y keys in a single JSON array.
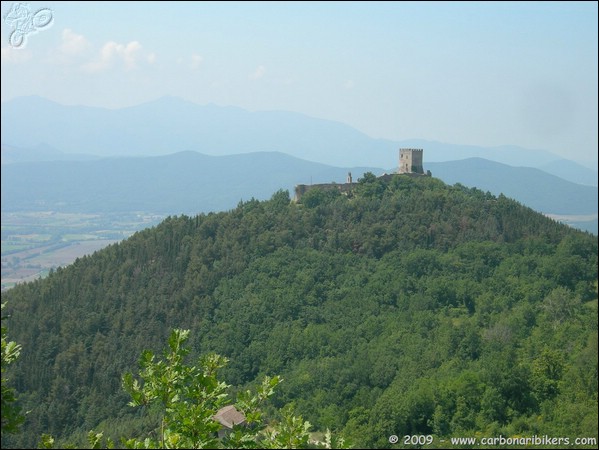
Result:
[
  {"x": 410, "y": 160},
  {"x": 410, "y": 163}
]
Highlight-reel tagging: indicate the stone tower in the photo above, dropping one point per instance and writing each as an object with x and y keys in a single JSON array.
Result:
[{"x": 410, "y": 160}]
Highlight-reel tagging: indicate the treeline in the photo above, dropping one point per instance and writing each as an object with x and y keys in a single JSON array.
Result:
[{"x": 408, "y": 307}]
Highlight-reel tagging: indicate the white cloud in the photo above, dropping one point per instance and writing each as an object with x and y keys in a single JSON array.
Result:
[
  {"x": 72, "y": 43},
  {"x": 129, "y": 53},
  {"x": 196, "y": 61},
  {"x": 349, "y": 84},
  {"x": 258, "y": 73},
  {"x": 112, "y": 53},
  {"x": 151, "y": 58},
  {"x": 11, "y": 55},
  {"x": 73, "y": 50}
]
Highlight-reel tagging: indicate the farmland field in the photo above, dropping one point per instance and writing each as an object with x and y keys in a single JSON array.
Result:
[{"x": 33, "y": 243}]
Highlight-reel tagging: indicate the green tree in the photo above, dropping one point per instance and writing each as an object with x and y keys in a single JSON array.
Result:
[
  {"x": 370, "y": 186},
  {"x": 547, "y": 371},
  {"x": 561, "y": 305},
  {"x": 317, "y": 196},
  {"x": 11, "y": 412}
]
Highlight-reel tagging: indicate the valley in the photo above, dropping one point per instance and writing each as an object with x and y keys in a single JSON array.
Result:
[{"x": 35, "y": 242}]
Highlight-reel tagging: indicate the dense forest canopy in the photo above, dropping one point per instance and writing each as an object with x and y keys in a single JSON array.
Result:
[{"x": 407, "y": 307}]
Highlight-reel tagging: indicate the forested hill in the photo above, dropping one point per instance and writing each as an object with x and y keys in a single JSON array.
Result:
[{"x": 406, "y": 308}]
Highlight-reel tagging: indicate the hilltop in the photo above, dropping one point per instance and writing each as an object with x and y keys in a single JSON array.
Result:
[{"x": 406, "y": 307}]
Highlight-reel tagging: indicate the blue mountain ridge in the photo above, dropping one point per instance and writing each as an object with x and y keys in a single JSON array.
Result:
[{"x": 170, "y": 124}]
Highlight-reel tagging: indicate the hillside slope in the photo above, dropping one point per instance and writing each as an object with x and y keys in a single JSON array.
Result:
[{"x": 408, "y": 308}]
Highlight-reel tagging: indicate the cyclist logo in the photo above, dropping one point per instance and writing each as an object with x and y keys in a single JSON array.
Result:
[{"x": 25, "y": 22}]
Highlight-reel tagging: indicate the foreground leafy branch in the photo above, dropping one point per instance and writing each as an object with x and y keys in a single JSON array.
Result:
[{"x": 189, "y": 397}]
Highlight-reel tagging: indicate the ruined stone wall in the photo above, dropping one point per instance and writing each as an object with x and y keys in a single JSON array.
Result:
[{"x": 301, "y": 189}]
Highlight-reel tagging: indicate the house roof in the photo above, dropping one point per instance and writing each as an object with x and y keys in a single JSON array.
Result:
[{"x": 229, "y": 416}]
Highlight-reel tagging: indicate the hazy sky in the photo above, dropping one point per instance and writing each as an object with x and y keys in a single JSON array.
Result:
[{"x": 464, "y": 73}]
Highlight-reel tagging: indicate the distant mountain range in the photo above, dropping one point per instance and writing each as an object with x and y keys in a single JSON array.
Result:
[
  {"x": 534, "y": 188},
  {"x": 169, "y": 125},
  {"x": 173, "y": 156},
  {"x": 189, "y": 182},
  {"x": 41, "y": 152},
  {"x": 184, "y": 182}
]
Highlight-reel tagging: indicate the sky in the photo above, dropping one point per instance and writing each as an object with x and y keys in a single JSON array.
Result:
[{"x": 476, "y": 73}]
